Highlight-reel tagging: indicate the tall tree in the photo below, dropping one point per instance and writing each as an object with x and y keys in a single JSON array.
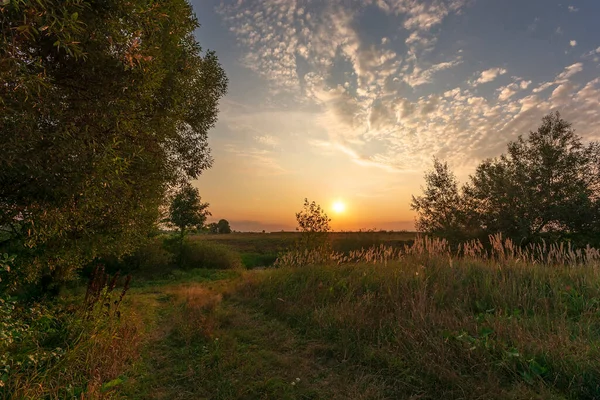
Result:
[
  {"x": 545, "y": 183},
  {"x": 104, "y": 105},
  {"x": 187, "y": 210},
  {"x": 439, "y": 207}
]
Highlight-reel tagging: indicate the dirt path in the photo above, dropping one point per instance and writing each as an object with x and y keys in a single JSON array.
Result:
[{"x": 204, "y": 347}]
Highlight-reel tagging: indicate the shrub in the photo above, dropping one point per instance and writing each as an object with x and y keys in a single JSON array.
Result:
[
  {"x": 201, "y": 254},
  {"x": 152, "y": 258},
  {"x": 69, "y": 348}
]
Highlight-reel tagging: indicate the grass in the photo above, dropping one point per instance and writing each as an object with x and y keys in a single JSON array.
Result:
[
  {"x": 419, "y": 325},
  {"x": 418, "y": 322},
  {"x": 73, "y": 348},
  {"x": 434, "y": 327},
  {"x": 262, "y": 249}
]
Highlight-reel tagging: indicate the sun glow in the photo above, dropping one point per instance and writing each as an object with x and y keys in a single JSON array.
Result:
[{"x": 339, "y": 207}]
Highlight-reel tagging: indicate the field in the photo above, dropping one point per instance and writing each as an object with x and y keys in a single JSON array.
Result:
[
  {"x": 262, "y": 249},
  {"x": 381, "y": 323}
]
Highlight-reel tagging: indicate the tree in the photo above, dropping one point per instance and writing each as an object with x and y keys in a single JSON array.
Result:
[
  {"x": 543, "y": 184},
  {"x": 223, "y": 226},
  {"x": 213, "y": 228},
  {"x": 313, "y": 223},
  {"x": 439, "y": 208},
  {"x": 104, "y": 106},
  {"x": 187, "y": 210},
  {"x": 547, "y": 185}
]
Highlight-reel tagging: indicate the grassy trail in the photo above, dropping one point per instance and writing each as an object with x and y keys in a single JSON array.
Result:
[{"x": 202, "y": 344}]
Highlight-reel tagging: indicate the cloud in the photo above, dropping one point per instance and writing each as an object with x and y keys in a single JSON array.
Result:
[
  {"x": 420, "y": 76},
  {"x": 267, "y": 140},
  {"x": 255, "y": 160},
  {"x": 381, "y": 101},
  {"x": 569, "y": 72},
  {"x": 573, "y": 9},
  {"x": 506, "y": 92},
  {"x": 489, "y": 75}
]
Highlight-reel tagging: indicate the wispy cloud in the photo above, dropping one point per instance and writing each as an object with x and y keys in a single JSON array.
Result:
[{"x": 256, "y": 160}]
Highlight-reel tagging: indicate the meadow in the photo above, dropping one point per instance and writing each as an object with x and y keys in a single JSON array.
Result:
[
  {"x": 417, "y": 321},
  {"x": 262, "y": 249}
]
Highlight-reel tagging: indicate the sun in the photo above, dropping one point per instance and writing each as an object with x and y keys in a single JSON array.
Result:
[{"x": 339, "y": 207}]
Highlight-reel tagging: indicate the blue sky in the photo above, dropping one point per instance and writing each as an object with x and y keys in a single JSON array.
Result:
[{"x": 350, "y": 100}]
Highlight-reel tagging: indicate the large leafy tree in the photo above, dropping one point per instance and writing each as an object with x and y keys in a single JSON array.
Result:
[
  {"x": 547, "y": 184},
  {"x": 104, "y": 106}
]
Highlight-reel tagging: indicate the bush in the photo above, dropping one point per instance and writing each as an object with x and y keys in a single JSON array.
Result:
[
  {"x": 155, "y": 258},
  {"x": 72, "y": 348},
  {"x": 254, "y": 260},
  {"x": 201, "y": 254},
  {"x": 152, "y": 258}
]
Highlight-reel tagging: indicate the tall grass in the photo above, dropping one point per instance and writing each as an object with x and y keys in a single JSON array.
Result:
[
  {"x": 474, "y": 322},
  {"x": 69, "y": 349},
  {"x": 498, "y": 250}
]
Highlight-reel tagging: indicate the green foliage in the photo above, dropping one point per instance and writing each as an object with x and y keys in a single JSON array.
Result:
[
  {"x": 223, "y": 227},
  {"x": 152, "y": 258},
  {"x": 212, "y": 228},
  {"x": 254, "y": 260},
  {"x": 187, "y": 210},
  {"x": 68, "y": 348},
  {"x": 103, "y": 107},
  {"x": 439, "y": 208},
  {"x": 545, "y": 186},
  {"x": 203, "y": 254}
]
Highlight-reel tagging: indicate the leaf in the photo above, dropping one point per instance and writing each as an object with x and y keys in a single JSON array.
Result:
[
  {"x": 111, "y": 384},
  {"x": 527, "y": 377},
  {"x": 513, "y": 352},
  {"x": 485, "y": 332},
  {"x": 74, "y": 16},
  {"x": 537, "y": 368}
]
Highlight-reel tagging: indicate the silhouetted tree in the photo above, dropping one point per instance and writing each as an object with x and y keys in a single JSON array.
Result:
[
  {"x": 545, "y": 185},
  {"x": 439, "y": 208},
  {"x": 187, "y": 210},
  {"x": 213, "y": 228},
  {"x": 223, "y": 226},
  {"x": 313, "y": 223}
]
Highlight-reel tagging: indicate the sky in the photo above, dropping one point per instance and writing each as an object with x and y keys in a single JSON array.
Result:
[{"x": 349, "y": 100}]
